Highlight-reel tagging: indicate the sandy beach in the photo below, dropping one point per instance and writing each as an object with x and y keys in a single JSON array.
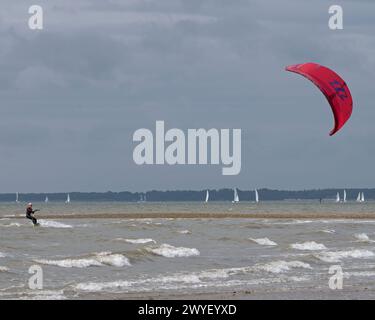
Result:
[{"x": 356, "y": 293}]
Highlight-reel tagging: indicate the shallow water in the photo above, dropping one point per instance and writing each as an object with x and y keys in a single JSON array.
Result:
[
  {"x": 115, "y": 257},
  {"x": 268, "y": 207}
]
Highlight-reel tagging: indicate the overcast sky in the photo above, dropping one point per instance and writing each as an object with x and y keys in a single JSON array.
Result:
[{"x": 73, "y": 94}]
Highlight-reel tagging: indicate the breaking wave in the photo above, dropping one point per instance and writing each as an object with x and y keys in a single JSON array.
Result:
[
  {"x": 282, "y": 266},
  {"x": 337, "y": 256},
  {"x": 168, "y": 251},
  {"x": 204, "y": 278},
  {"x": 184, "y": 231},
  {"x": 4, "y": 269},
  {"x": 96, "y": 260},
  {"x": 309, "y": 245},
  {"x": 363, "y": 237},
  {"x": 53, "y": 224},
  {"x": 136, "y": 241},
  {"x": 331, "y": 231},
  {"x": 288, "y": 222},
  {"x": 264, "y": 241}
]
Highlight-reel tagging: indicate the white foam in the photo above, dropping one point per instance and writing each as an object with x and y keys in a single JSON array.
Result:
[
  {"x": 337, "y": 256},
  {"x": 116, "y": 260},
  {"x": 4, "y": 269},
  {"x": 130, "y": 286},
  {"x": 42, "y": 295},
  {"x": 163, "y": 281},
  {"x": 289, "y": 222},
  {"x": 169, "y": 251},
  {"x": 84, "y": 225},
  {"x": 264, "y": 241},
  {"x": 150, "y": 282},
  {"x": 97, "y": 260},
  {"x": 363, "y": 237},
  {"x": 2, "y": 255},
  {"x": 359, "y": 274},
  {"x": 198, "y": 279},
  {"x": 71, "y": 263},
  {"x": 12, "y": 224},
  {"x": 100, "y": 286},
  {"x": 184, "y": 231},
  {"x": 53, "y": 224},
  {"x": 309, "y": 245},
  {"x": 282, "y": 266},
  {"x": 272, "y": 267},
  {"x": 328, "y": 231},
  {"x": 137, "y": 241}
]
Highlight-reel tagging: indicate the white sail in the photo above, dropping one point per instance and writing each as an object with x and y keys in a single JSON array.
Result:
[
  {"x": 235, "y": 196},
  {"x": 359, "y": 197},
  {"x": 207, "y": 196},
  {"x": 17, "y": 197},
  {"x": 68, "y": 199},
  {"x": 142, "y": 198},
  {"x": 256, "y": 196},
  {"x": 46, "y": 199},
  {"x": 337, "y": 197},
  {"x": 344, "y": 198},
  {"x": 363, "y": 197}
]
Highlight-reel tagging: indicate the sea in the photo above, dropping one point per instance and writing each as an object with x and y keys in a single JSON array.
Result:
[{"x": 178, "y": 250}]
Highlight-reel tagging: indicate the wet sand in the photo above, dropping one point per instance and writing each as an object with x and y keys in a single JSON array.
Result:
[{"x": 349, "y": 293}]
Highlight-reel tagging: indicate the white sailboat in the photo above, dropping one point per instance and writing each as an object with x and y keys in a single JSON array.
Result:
[
  {"x": 17, "y": 201},
  {"x": 363, "y": 197},
  {"x": 207, "y": 196},
  {"x": 256, "y": 196},
  {"x": 344, "y": 197},
  {"x": 236, "y": 198},
  {"x": 68, "y": 199},
  {"x": 46, "y": 199},
  {"x": 337, "y": 197},
  {"x": 142, "y": 198},
  {"x": 359, "y": 197}
]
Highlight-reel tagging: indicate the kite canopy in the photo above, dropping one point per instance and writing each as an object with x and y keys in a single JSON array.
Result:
[{"x": 332, "y": 86}]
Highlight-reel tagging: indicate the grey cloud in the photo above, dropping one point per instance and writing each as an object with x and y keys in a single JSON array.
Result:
[{"x": 74, "y": 92}]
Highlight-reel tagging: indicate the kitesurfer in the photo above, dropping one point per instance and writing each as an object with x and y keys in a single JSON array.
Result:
[{"x": 30, "y": 213}]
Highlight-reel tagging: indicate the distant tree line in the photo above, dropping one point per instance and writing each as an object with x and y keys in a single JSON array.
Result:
[{"x": 190, "y": 195}]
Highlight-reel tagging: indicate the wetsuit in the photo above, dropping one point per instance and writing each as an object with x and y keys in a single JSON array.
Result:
[{"x": 29, "y": 215}]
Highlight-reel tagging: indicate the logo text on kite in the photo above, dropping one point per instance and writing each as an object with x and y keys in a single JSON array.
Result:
[{"x": 340, "y": 90}]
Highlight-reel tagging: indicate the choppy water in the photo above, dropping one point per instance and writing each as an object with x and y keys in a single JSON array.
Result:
[{"x": 116, "y": 258}]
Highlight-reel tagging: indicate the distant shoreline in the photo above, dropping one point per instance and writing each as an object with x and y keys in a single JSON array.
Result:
[{"x": 224, "y": 194}]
